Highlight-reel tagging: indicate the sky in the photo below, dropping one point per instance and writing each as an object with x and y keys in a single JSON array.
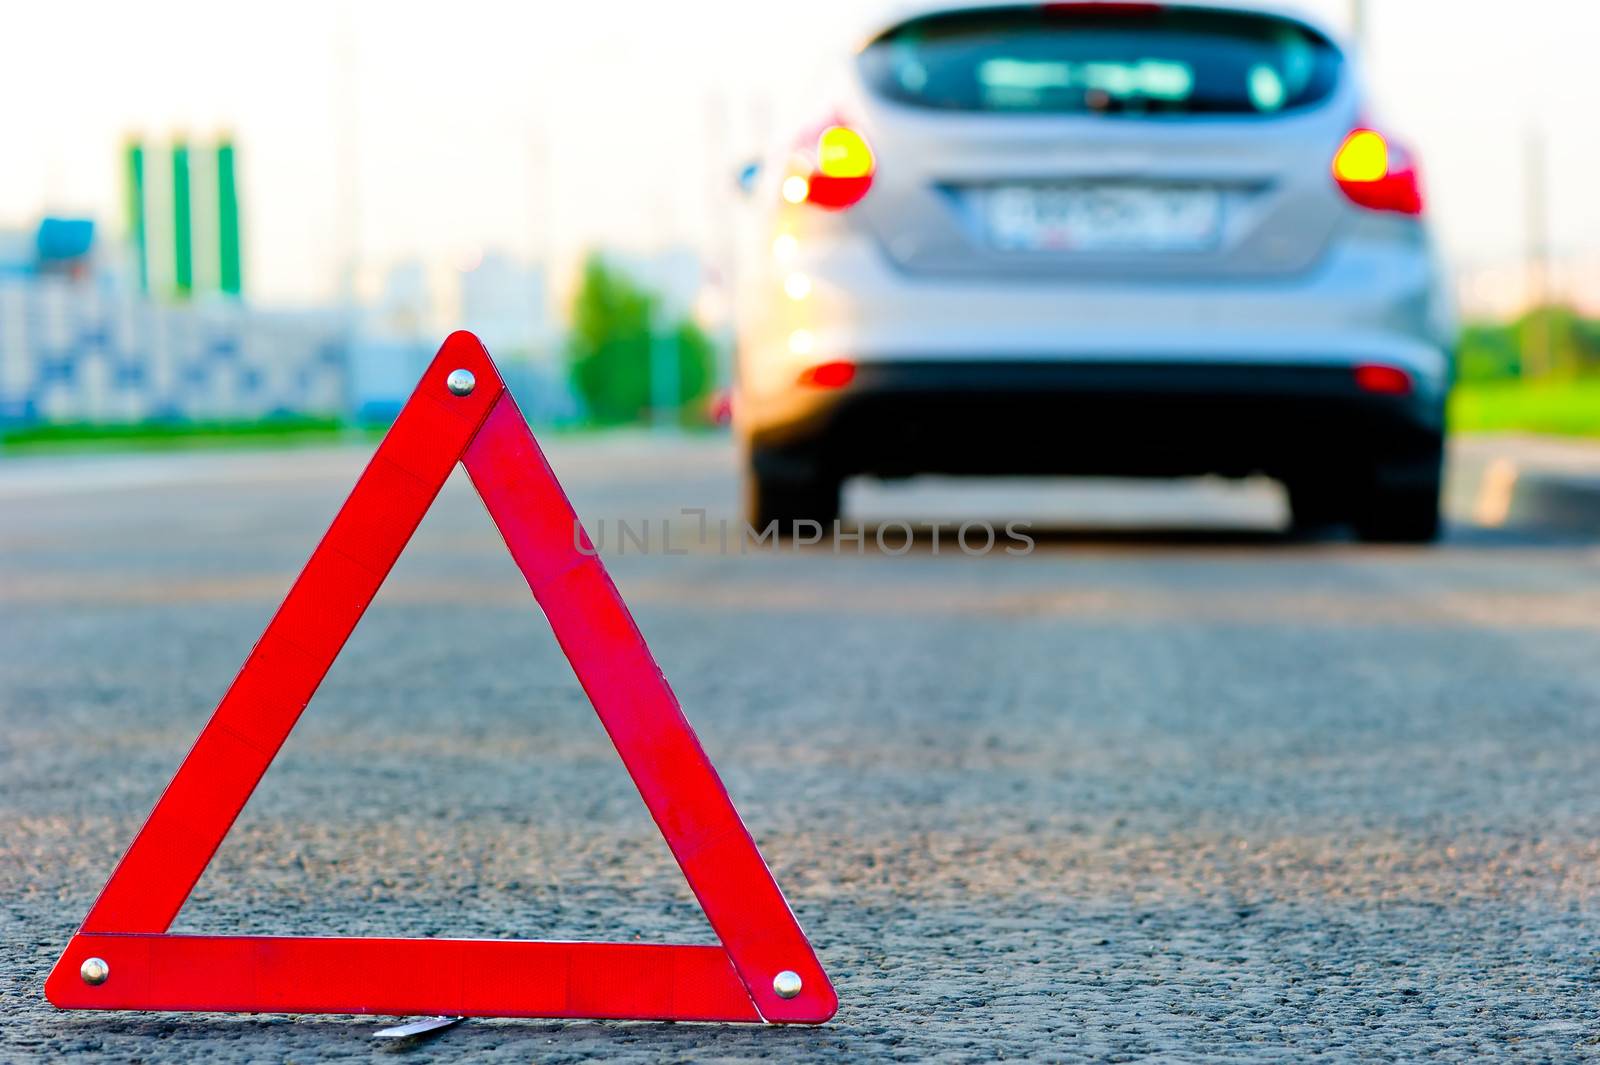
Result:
[{"x": 384, "y": 132}]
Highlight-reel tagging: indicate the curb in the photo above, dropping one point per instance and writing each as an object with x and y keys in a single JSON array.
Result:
[
  {"x": 1528, "y": 483},
  {"x": 1559, "y": 502}
]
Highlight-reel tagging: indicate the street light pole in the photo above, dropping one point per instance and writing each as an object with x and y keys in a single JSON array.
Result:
[
  {"x": 1538, "y": 354},
  {"x": 1358, "y": 22},
  {"x": 665, "y": 389}
]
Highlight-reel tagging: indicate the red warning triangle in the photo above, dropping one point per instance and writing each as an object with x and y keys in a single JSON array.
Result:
[{"x": 764, "y": 970}]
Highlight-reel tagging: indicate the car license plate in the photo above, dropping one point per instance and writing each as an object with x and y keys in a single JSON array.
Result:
[{"x": 1103, "y": 217}]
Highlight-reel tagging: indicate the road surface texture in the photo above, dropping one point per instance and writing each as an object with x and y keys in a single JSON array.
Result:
[{"x": 1171, "y": 786}]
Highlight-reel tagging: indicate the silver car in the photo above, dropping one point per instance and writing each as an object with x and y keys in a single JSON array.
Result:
[{"x": 1122, "y": 239}]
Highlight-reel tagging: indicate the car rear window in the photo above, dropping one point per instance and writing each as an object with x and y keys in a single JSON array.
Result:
[{"x": 1115, "y": 59}]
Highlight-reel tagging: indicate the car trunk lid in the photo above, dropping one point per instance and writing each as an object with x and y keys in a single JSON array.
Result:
[{"x": 1185, "y": 142}]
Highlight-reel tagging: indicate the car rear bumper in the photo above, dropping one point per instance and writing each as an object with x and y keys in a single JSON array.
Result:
[
  {"x": 1106, "y": 418},
  {"x": 1368, "y": 300}
]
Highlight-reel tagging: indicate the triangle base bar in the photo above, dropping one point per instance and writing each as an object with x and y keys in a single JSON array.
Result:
[{"x": 466, "y": 977}]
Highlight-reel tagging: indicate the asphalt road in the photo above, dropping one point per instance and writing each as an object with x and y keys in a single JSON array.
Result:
[{"x": 1172, "y": 785}]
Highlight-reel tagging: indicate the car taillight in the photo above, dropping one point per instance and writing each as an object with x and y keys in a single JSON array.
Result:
[
  {"x": 833, "y": 172},
  {"x": 1376, "y": 174},
  {"x": 1383, "y": 380},
  {"x": 828, "y": 374}
]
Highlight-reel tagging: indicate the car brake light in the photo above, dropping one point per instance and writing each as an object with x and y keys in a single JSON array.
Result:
[
  {"x": 837, "y": 170},
  {"x": 1376, "y": 174},
  {"x": 828, "y": 374},
  {"x": 1383, "y": 380}
]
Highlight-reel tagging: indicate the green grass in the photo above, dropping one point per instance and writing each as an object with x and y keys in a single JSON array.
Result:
[
  {"x": 1565, "y": 408},
  {"x": 173, "y": 436},
  {"x": 282, "y": 431}
]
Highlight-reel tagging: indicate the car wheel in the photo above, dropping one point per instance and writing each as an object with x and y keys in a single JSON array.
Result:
[
  {"x": 789, "y": 501},
  {"x": 1401, "y": 504}
]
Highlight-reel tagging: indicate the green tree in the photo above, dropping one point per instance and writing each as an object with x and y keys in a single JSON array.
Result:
[
  {"x": 1544, "y": 342},
  {"x": 1556, "y": 342},
  {"x": 609, "y": 349},
  {"x": 697, "y": 360},
  {"x": 1488, "y": 351}
]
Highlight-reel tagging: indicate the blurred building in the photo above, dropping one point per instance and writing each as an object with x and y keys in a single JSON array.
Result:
[
  {"x": 181, "y": 217},
  {"x": 404, "y": 306},
  {"x": 507, "y": 304},
  {"x": 80, "y": 343},
  {"x": 504, "y": 301},
  {"x": 677, "y": 275},
  {"x": 85, "y": 351},
  {"x": 16, "y": 252},
  {"x": 56, "y": 247}
]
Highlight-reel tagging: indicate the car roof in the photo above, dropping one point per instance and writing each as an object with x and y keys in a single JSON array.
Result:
[{"x": 888, "y": 15}]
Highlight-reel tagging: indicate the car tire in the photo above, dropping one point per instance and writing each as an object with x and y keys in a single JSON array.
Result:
[
  {"x": 1401, "y": 504},
  {"x": 790, "y": 501}
]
